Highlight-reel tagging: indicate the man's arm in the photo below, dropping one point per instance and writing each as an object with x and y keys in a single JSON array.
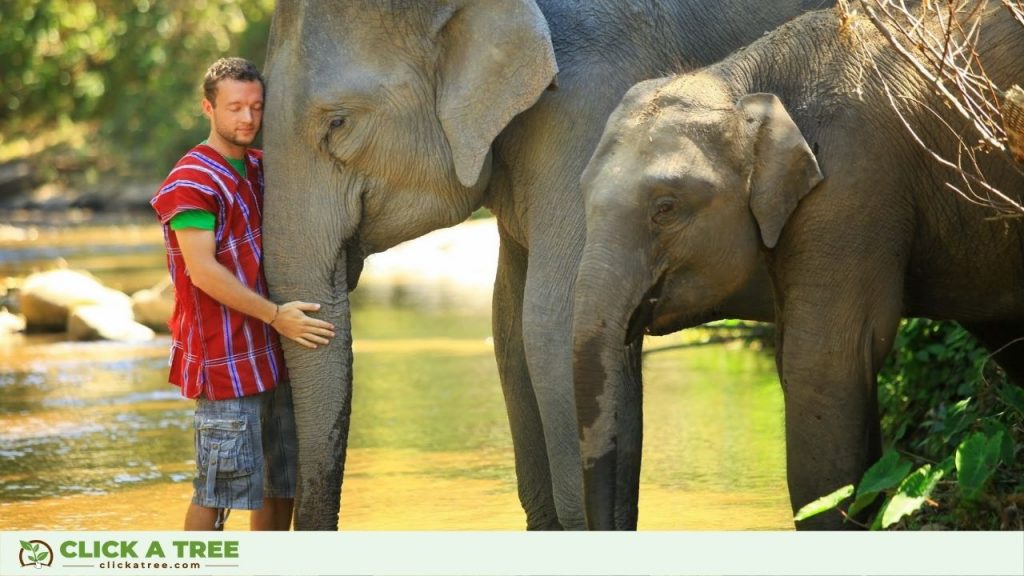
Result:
[{"x": 198, "y": 247}]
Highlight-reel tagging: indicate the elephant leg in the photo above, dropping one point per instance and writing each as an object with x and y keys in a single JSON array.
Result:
[
  {"x": 532, "y": 470},
  {"x": 832, "y": 342},
  {"x": 1006, "y": 342},
  {"x": 547, "y": 334},
  {"x": 630, "y": 425}
]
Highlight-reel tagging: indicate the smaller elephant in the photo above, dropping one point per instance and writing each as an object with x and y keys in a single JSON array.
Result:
[{"x": 787, "y": 161}]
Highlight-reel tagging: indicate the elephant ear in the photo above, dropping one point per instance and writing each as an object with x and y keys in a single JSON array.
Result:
[
  {"x": 785, "y": 169},
  {"x": 497, "y": 60}
]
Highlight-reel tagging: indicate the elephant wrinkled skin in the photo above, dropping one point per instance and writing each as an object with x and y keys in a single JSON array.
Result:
[
  {"x": 787, "y": 157},
  {"x": 387, "y": 119}
]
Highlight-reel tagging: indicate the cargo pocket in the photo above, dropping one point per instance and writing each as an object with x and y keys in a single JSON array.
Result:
[{"x": 225, "y": 449}]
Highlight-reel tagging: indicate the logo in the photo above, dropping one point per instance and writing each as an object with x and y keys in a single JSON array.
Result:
[{"x": 35, "y": 553}]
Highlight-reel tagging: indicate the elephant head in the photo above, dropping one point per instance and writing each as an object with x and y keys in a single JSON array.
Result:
[
  {"x": 684, "y": 191},
  {"x": 379, "y": 122}
]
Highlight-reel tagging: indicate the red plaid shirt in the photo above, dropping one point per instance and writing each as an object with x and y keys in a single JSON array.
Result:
[{"x": 218, "y": 352}]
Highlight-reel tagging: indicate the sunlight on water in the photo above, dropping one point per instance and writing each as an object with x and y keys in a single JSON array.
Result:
[
  {"x": 103, "y": 444},
  {"x": 91, "y": 436}
]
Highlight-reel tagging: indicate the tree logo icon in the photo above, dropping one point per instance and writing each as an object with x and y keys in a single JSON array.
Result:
[{"x": 35, "y": 553}]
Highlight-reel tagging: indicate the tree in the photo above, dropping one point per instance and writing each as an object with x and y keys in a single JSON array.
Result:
[{"x": 127, "y": 71}]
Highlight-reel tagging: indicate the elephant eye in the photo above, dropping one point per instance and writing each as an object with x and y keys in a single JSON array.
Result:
[
  {"x": 337, "y": 123},
  {"x": 664, "y": 208},
  {"x": 664, "y": 212}
]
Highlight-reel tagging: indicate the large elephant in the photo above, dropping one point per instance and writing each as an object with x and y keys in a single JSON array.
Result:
[
  {"x": 390, "y": 118},
  {"x": 788, "y": 157}
]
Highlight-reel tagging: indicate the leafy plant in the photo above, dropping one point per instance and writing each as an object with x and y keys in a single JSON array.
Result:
[
  {"x": 891, "y": 471},
  {"x": 946, "y": 408},
  {"x": 825, "y": 503},
  {"x": 907, "y": 492},
  {"x": 911, "y": 495},
  {"x": 976, "y": 461}
]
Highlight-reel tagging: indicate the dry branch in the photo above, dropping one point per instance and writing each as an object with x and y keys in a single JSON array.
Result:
[{"x": 938, "y": 39}]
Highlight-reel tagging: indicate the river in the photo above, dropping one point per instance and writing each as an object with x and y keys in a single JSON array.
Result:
[{"x": 92, "y": 437}]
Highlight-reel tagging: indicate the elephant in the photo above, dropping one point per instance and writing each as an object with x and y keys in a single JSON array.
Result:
[
  {"x": 386, "y": 119},
  {"x": 784, "y": 174}
]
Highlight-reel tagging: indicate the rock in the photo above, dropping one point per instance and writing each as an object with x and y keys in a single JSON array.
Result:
[
  {"x": 106, "y": 322},
  {"x": 75, "y": 301},
  {"x": 153, "y": 306},
  {"x": 46, "y": 298},
  {"x": 10, "y": 323}
]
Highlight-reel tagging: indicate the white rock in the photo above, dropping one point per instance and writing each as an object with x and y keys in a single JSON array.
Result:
[
  {"x": 78, "y": 303},
  {"x": 11, "y": 323},
  {"x": 153, "y": 306},
  {"x": 106, "y": 322},
  {"x": 47, "y": 297}
]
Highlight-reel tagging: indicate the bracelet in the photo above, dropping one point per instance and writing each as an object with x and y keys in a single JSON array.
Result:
[{"x": 276, "y": 312}]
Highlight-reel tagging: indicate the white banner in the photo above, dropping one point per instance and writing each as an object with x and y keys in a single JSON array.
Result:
[{"x": 482, "y": 554}]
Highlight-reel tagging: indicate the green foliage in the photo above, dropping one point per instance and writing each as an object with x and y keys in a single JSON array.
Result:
[
  {"x": 825, "y": 503},
  {"x": 927, "y": 384},
  {"x": 912, "y": 493},
  {"x": 947, "y": 406},
  {"x": 130, "y": 70},
  {"x": 891, "y": 471},
  {"x": 1013, "y": 397},
  {"x": 976, "y": 461},
  {"x": 885, "y": 474}
]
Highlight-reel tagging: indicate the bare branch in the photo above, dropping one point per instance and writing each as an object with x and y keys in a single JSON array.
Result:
[{"x": 938, "y": 39}]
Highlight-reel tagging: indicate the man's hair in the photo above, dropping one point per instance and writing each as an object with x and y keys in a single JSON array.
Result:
[{"x": 232, "y": 68}]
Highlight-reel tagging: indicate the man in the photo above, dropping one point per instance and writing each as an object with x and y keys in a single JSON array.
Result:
[{"x": 225, "y": 352}]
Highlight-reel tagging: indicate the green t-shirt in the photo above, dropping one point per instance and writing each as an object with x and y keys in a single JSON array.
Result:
[{"x": 202, "y": 219}]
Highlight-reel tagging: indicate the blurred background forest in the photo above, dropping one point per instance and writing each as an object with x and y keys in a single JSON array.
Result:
[{"x": 99, "y": 92}]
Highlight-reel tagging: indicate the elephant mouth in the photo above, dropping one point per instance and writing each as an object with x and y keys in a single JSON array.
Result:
[{"x": 642, "y": 317}]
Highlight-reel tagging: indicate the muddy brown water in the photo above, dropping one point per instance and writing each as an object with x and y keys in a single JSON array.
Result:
[{"x": 92, "y": 437}]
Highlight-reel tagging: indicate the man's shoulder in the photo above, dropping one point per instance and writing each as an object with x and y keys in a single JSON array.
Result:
[
  {"x": 255, "y": 153},
  {"x": 188, "y": 174},
  {"x": 199, "y": 164}
]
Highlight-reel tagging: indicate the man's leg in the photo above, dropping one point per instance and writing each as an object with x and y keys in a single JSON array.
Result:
[
  {"x": 276, "y": 514},
  {"x": 229, "y": 461},
  {"x": 200, "y": 517}
]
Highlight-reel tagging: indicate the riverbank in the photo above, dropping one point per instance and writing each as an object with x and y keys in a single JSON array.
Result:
[{"x": 125, "y": 252}]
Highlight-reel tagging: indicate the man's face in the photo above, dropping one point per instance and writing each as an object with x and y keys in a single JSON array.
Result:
[{"x": 237, "y": 114}]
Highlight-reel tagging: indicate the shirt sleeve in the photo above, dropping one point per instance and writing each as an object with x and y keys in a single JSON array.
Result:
[
  {"x": 183, "y": 193},
  {"x": 200, "y": 219}
]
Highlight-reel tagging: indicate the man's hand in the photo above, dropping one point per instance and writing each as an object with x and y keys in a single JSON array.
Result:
[
  {"x": 292, "y": 323},
  {"x": 290, "y": 320}
]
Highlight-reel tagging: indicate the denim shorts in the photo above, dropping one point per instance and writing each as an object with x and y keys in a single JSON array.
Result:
[{"x": 245, "y": 450}]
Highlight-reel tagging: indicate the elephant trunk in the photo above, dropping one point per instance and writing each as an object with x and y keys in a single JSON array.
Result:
[
  {"x": 321, "y": 382},
  {"x": 308, "y": 257},
  {"x": 610, "y": 285}
]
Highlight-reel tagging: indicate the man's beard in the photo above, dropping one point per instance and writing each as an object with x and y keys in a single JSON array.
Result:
[{"x": 239, "y": 140}]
